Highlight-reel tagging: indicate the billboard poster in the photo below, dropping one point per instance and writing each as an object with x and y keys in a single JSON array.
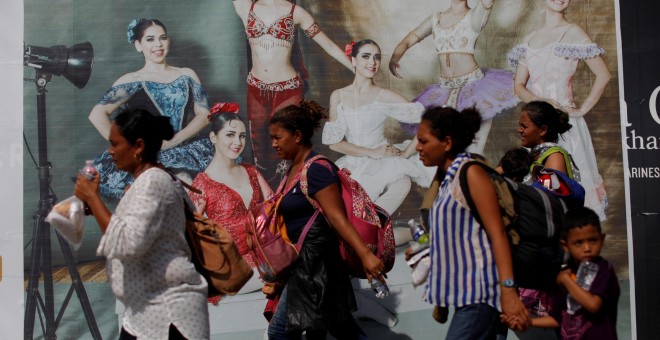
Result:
[{"x": 208, "y": 44}]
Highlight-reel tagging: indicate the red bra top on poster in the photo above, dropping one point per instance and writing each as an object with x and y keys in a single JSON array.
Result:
[{"x": 279, "y": 33}]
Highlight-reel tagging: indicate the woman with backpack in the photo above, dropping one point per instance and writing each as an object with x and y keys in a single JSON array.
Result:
[
  {"x": 317, "y": 297},
  {"x": 148, "y": 258},
  {"x": 471, "y": 266},
  {"x": 539, "y": 128}
]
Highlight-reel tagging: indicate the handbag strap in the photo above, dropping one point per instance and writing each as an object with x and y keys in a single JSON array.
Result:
[{"x": 306, "y": 229}]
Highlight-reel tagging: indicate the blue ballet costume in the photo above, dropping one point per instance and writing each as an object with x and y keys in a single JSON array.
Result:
[{"x": 174, "y": 100}]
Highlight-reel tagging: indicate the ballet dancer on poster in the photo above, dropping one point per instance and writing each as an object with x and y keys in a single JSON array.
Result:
[
  {"x": 356, "y": 128},
  {"x": 358, "y": 113},
  {"x": 462, "y": 83},
  {"x": 545, "y": 67},
  {"x": 160, "y": 88},
  {"x": 273, "y": 82}
]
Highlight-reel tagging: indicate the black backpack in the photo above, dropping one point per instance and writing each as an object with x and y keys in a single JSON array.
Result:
[{"x": 533, "y": 219}]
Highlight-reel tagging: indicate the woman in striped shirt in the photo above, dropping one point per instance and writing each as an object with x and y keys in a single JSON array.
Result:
[{"x": 471, "y": 266}]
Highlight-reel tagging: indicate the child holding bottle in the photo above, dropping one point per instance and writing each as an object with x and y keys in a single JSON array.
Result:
[{"x": 578, "y": 312}]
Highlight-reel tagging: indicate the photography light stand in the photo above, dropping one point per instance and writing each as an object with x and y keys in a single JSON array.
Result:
[{"x": 41, "y": 261}]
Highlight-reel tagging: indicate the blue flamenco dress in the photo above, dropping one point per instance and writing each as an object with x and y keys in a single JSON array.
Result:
[{"x": 174, "y": 100}]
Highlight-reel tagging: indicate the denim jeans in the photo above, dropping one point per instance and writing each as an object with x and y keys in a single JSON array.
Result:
[
  {"x": 277, "y": 327},
  {"x": 473, "y": 322}
]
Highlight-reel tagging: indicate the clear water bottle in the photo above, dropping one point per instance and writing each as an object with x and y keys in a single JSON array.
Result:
[
  {"x": 380, "y": 288},
  {"x": 89, "y": 170},
  {"x": 418, "y": 232},
  {"x": 585, "y": 276}
]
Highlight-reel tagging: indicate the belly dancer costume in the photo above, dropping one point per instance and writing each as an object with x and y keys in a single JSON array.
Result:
[
  {"x": 551, "y": 70},
  {"x": 174, "y": 100},
  {"x": 364, "y": 126},
  {"x": 490, "y": 91},
  {"x": 225, "y": 206},
  {"x": 264, "y": 99}
]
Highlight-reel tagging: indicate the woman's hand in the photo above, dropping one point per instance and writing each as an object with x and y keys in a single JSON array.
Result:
[
  {"x": 394, "y": 68},
  {"x": 384, "y": 151},
  {"x": 515, "y": 313},
  {"x": 167, "y": 144},
  {"x": 271, "y": 289},
  {"x": 88, "y": 191},
  {"x": 85, "y": 188},
  {"x": 573, "y": 112},
  {"x": 373, "y": 267}
]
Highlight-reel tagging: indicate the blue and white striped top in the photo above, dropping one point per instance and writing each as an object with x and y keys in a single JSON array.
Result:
[{"x": 463, "y": 270}]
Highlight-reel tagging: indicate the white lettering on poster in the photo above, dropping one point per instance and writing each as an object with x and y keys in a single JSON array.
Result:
[
  {"x": 644, "y": 172},
  {"x": 638, "y": 142},
  {"x": 635, "y": 141},
  {"x": 652, "y": 105}
]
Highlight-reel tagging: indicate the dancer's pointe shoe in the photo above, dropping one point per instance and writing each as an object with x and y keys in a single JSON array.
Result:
[{"x": 371, "y": 309}]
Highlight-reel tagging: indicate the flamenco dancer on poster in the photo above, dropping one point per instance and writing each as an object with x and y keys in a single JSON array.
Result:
[
  {"x": 273, "y": 82},
  {"x": 462, "y": 84},
  {"x": 545, "y": 66},
  {"x": 160, "y": 88},
  {"x": 229, "y": 188}
]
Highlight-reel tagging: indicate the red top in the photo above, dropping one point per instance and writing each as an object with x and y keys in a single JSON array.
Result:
[
  {"x": 282, "y": 28},
  {"x": 226, "y": 207}
]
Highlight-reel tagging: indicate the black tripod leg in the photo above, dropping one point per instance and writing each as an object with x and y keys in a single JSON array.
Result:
[
  {"x": 33, "y": 285},
  {"x": 41, "y": 260},
  {"x": 77, "y": 284}
]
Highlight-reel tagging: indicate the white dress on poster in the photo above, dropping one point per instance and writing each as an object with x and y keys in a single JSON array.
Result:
[
  {"x": 551, "y": 71},
  {"x": 365, "y": 126}
]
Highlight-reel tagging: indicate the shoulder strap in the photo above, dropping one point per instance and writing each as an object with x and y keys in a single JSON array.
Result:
[
  {"x": 463, "y": 182},
  {"x": 554, "y": 149},
  {"x": 303, "y": 234},
  {"x": 304, "y": 187},
  {"x": 293, "y": 7}
]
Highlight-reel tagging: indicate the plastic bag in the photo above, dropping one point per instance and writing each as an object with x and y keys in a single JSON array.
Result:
[
  {"x": 68, "y": 218},
  {"x": 420, "y": 263}
]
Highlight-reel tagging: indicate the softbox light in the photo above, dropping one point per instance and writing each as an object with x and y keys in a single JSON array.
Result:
[{"x": 74, "y": 63}]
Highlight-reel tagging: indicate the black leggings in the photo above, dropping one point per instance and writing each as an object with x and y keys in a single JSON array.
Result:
[{"x": 174, "y": 334}]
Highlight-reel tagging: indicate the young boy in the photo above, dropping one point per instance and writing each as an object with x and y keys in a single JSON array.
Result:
[{"x": 583, "y": 239}]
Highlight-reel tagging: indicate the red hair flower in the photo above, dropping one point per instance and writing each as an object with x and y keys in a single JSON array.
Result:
[
  {"x": 219, "y": 108},
  {"x": 348, "y": 49}
]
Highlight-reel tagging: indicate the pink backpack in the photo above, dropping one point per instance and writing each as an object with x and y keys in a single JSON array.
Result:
[{"x": 372, "y": 222}]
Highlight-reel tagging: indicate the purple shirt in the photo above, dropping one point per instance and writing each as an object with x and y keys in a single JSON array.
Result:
[{"x": 586, "y": 325}]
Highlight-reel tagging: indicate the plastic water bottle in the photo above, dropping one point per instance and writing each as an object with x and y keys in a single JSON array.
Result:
[
  {"x": 89, "y": 170},
  {"x": 380, "y": 288},
  {"x": 418, "y": 232},
  {"x": 585, "y": 276}
]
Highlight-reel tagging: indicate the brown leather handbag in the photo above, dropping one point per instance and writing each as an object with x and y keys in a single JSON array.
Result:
[{"x": 215, "y": 255}]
